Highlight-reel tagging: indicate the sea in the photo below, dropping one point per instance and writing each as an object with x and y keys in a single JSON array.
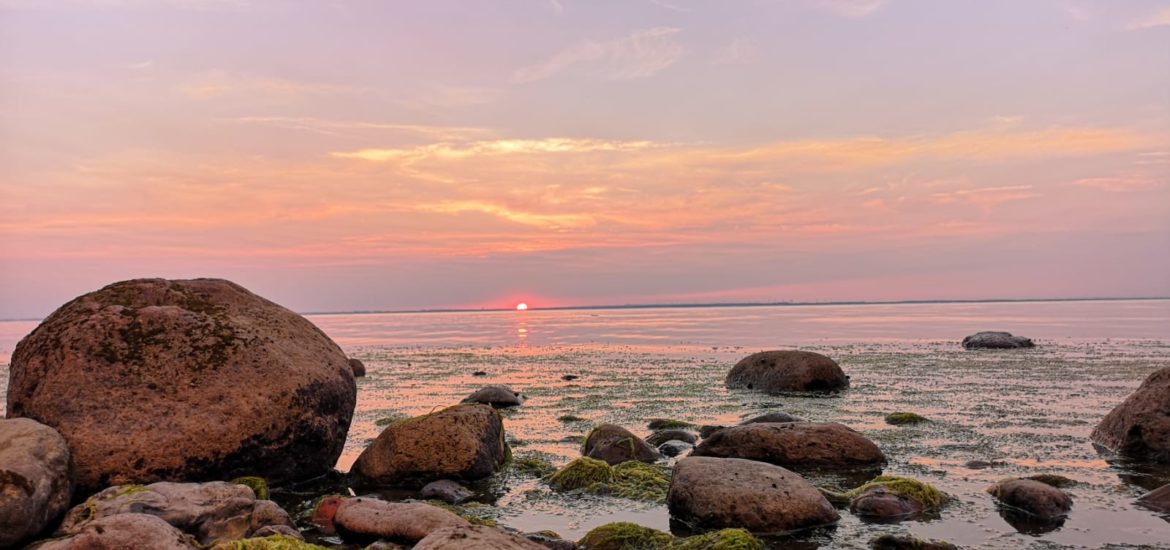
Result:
[{"x": 1026, "y": 412}]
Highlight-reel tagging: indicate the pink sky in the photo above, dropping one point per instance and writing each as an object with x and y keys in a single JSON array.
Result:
[{"x": 397, "y": 155}]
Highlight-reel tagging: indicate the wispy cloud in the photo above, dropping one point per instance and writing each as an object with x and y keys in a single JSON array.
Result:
[
  {"x": 354, "y": 128},
  {"x": 850, "y": 8},
  {"x": 986, "y": 198},
  {"x": 740, "y": 51},
  {"x": 1159, "y": 18},
  {"x": 641, "y": 54},
  {"x": 214, "y": 84},
  {"x": 1119, "y": 184},
  {"x": 672, "y": 6}
]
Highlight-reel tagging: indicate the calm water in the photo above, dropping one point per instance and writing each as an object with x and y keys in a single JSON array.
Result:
[{"x": 1030, "y": 410}]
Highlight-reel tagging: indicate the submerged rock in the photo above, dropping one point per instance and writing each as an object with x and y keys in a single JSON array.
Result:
[
  {"x": 1140, "y": 426},
  {"x": 711, "y": 493},
  {"x": 211, "y": 512},
  {"x": 893, "y": 498},
  {"x": 796, "y": 444},
  {"x": 996, "y": 340},
  {"x": 366, "y": 519},
  {"x": 358, "y": 367},
  {"x": 908, "y": 542},
  {"x": 475, "y": 536},
  {"x": 615, "y": 444},
  {"x": 34, "y": 479},
  {"x": 787, "y": 371},
  {"x": 773, "y": 417},
  {"x": 185, "y": 380},
  {"x": 464, "y": 442},
  {"x": 497, "y": 396},
  {"x": 1031, "y": 506},
  {"x": 130, "y": 530}
]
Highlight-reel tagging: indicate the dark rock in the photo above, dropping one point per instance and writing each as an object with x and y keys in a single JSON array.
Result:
[
  {"x": 795, "y": 444},
  {"x": 674, "y": 448},
  {"x": 982, "y": 464},
  {"x": 466, "y": 537},
  {"x": 787, "y": 371},
  {"x": 996, "y": 340},
  {"x": 1158, "y": 499},
  {"x": 615, "y": 444},
  {"x": 569, "y": 377},
  {"x": 706, "y": 431},
  {"x": 366, "y": 519},
  {"x": 908, "y": 542},
  {"x": 709, "y": 493},
  {"x": 658, "y": 438},
  {"x": 445, "y": 490},
  {"x": 211, "y": 512},
  {"x": 1140, "y": 426},
  {"x": 464, "y": 442},
  {"x": 130, "y": 530},
  {"x": 548, "y": 539},
  {"x": 1033, "y": 498},
  {"x": 184, "y": 380},
  {"x": 890, "y": 499},
  {"x": 497, "y": 396},
  {"x": 34, "y": 479},
  {"x": 657, "y": 424},
  {"x": 358, "y": 367},
  {"x": 773, "y": 417},
  {"x": 479, "y": 373}
]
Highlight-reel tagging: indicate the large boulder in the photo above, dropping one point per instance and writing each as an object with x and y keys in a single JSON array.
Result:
[
  {"x": 712, "y": 493},
  {"x": 464, "y": 442},
  {"x": 187, "y": 380},
  {"x": 368, "y": 519},
  {"x": 34, "y": 479},
  {"x": 996, "y": 340},
  {"x": 794, "y": 444},
  {"x": 1140, "y": 426},
  {"x": 480, "y": 537},
  {"x": 130, "y": 530},
  {"x": 787, "y": 371},
  {"x": 210, "y": 512},
  {"x": 615, "y": 444}
]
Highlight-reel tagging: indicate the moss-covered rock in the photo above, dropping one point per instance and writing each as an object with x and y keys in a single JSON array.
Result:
[
  {"x": 626, "y": 536},
  {"x": 892, "y": 498},
  {"x": 580, "y": 474},
  {"x": 903, "y": 418},
  {"x": 925, "y": 494},
  {"x": 640, "y": 481},
  {"x": 533, "y": 466},
  {"x": 726, "y": 539},
  {"x": 571, "y": 418},
  {"x": 615, "y": 444},
  {"x": 257, "y": 484},
  {"x": 274, "y": 542}
]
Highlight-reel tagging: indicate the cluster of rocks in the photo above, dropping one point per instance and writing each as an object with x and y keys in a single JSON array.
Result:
[{"x": 151, "y": 405}]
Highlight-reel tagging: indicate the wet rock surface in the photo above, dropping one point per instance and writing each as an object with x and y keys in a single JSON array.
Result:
[
  {"x": 475, "y": 536},
  {"x": 130, "y": 530},
  {"x": 1031, "y": 506},
  {"x": 445, "y": 490},
  {"x": 214, "y": 382},
  {"x": 614, "y": 444},
  {"x": 662, "y": 436},
  {"x": 794, "y": 444},
  {"x": 1157, "y": 500},
  {"x": 710, "y": 493},
  {"x": 1139, "y": 427},
  {"x": 499, "y": 397},
  {"x": 464, "y": 442},
  {"x": 366, "y": 519},
  {"x": 787, "y": 371},
  {"x": 996, "y": 340},
  {"x": 34, "y": 479}
]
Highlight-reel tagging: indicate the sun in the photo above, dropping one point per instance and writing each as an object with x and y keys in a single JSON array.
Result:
[{"x": 521, "y": 306}]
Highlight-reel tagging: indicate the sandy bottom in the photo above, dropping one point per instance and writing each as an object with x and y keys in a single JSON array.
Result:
[{"x": 1029, "y": 411}]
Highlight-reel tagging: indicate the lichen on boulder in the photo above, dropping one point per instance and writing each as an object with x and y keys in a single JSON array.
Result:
[{"x": 626, "y": 536}]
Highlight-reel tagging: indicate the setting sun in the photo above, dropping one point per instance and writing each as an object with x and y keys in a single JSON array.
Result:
[{"x": 521, "y": 306}]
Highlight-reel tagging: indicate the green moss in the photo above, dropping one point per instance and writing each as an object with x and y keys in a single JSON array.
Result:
[
  {"x": 129, "y": 489},
  {"x": 838, "y": 500},
  {"x": 1054, "y": 480},
  {"x": 274, "y": 542},
  {"x": 390, "y": 419},
  {"x": 579, "y": 439},
  {"x": 257, "y": 484},
  {"x": 667, "y": 423},
  {"x": 571, "y": 418},
  {"x": 901, "y": 418},
  {"x": 926, "y": 495},
  {"x": 640, "y": 481},
  {"x": 626, "y": 536},
  {"x": 580, "y": 474},
  {"x": 727, "y": 539},
  {"x": 533, "y": 466}
]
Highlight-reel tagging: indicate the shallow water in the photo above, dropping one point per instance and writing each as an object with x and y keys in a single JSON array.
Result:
[{"x": 1029, "y": 410}]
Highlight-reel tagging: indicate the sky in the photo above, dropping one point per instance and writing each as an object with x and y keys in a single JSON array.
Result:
[{"x": 376, "y": 155}]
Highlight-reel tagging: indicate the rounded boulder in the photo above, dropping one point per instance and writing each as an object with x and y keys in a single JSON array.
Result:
[
  {"x": 615, "y": 444},
  {"x": 714, "y": 493},
  {"x": 34, "y": 479},
  {"x": 184, "y": 380},
  {"x": 787, "y": 371},
  {"x": 794, "y": 444},
  {"x": 1139, "y": 427}
]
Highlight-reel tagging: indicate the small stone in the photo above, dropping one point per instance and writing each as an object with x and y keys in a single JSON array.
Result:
[
  {"x": 674, "y": 448},
  {"x": 497, "y": 396},
  {"x": 358, "y": 368},
  {"x": 445, "y": 490}
]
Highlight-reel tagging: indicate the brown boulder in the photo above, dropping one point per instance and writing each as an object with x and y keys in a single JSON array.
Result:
[
  {"x": 464, "y": 442},
  {"x": 34, "y": 479},
  {"x": 358, "y": 367},
  {"x": 367, "y": 519},
  {"x": 615, "y": 444},
  {"x": 499, "y": 397},
  {"x": 787, "y": 371},
  {"x": 662, "y": 436},
  {"x": 1157, "y": 500},
  {"x": 1140, "y": 426},
  {"x": 186, "y": 380},
  {"x": 712, "y": 493},
  {"x": 793, "y": 444},
  {"x": 128, "y": 530},
  {"x": 480, "y": 537},
  {"x": 1033, "y": 497}
]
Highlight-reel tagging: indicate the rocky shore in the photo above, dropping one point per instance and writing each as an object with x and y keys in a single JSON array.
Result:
[{"x": 165, "y": 414}]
